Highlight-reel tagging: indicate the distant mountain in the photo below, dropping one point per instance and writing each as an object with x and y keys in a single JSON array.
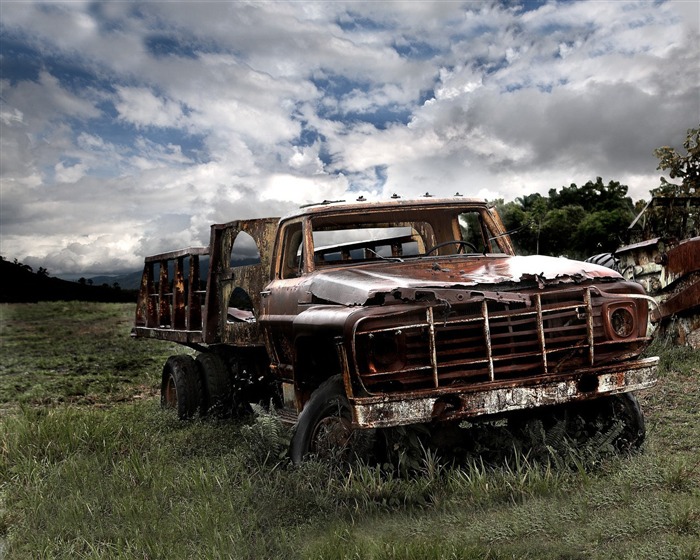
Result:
[
  {"x": 132, "y": 280},
  {"x": 127, "y": 281},
  {"x": 20, "y": 284}
]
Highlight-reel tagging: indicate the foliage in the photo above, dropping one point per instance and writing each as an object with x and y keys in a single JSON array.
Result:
[
  {"x": 21, "y": 284},
  {"x": 685, "y": 167},
  {"x": 575, "y": 221},
  {"x": 674, "y": 210},
  {"x": 582, "y": 221}
]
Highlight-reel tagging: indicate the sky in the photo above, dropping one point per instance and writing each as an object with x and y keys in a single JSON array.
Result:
[{"x": 127, "y": 128}]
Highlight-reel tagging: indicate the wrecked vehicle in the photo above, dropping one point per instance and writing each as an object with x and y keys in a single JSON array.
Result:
[
  {"x": 371, "y": 315},
  {"x": 665, "y": 259}
]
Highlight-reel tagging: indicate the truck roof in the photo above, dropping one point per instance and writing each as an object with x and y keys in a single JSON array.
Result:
[{"x": 342, "y": 206}]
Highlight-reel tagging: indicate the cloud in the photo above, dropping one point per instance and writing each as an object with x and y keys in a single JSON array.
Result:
[{"x": 128, "y": 128}]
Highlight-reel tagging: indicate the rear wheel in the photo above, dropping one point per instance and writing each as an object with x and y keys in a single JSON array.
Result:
[
  {"x": 180, "y": 386},
  {"x": 216, "y": 384}
]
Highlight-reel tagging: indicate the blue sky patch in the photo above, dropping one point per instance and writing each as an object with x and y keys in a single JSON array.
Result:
[
  {"x": 417, "y": 50},
  {"x": 19, "y": 61},
  {"x": 336, "y": 85},
  {"x": 162, "y": 45},
  {"x": 355, "y": 22}
]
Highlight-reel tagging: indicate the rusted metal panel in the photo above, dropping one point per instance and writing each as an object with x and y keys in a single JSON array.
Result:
[
  {"x": 681, "y": 260},
  {"x": 198, "y": 251},
  {"x": 667, "y": 263},
  {"x": 670, "y": 272},
  {"x": 180, "y": 337},
  {"x": 171, "y": 306},
  {"x": 194, "y": 297},
  {"x": 224, "y": 278},
  {"x": 447, "y": 405},
  {"x": 683, "y": 301}
]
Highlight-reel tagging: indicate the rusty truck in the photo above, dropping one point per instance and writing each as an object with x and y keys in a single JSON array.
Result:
[{"x": 354, "y": 317}]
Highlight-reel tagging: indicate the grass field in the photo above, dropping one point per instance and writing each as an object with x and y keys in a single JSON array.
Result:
[{"x": 90, "y": 467}]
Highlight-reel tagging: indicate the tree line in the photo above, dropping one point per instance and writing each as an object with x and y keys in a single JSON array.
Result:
[{"x": 581, "y": 221}]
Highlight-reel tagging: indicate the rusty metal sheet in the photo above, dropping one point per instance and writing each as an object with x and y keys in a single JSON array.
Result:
[
  {"x": 685, "y": 300},
  {"x": 681, "y": 260},
  {"x": 223, "y": 279},
  {"x": 181, "y": 337}
]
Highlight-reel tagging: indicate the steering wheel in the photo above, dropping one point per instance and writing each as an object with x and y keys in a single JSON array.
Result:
[{"x": 453, "y": 242}]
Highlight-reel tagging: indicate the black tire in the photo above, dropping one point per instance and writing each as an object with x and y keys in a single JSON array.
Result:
[
  {"x": 598, "y": 426},
  {"x": 324, "y": 428},
  {"x": 625, "y": 408},
  {"x": 180, "y": 386},
  {"x": 615, "y": 419},
  {"x": 216, "y": 384}
]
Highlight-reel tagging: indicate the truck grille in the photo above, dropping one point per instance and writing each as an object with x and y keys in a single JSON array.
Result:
[{"x": 483, "y": 342}]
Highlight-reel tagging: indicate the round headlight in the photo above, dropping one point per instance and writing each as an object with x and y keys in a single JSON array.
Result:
[{"x": 622, "y": 322}]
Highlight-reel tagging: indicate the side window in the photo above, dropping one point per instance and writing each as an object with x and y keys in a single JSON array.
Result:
[{"x": 292, "y": 251}]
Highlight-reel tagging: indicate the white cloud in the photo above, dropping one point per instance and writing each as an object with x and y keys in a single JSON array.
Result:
[
  {"x": 69, "y": 173},
  {"x": 140, "y": 107},
  {"x": 131, "y": 127},
  {"x": 303, "y": 190}
]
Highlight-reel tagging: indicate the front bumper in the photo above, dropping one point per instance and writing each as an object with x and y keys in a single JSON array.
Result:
[{"x": 495, "y": 398}]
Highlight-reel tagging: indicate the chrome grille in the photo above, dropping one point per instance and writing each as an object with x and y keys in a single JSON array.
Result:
[{"x": 489, "y": 341}]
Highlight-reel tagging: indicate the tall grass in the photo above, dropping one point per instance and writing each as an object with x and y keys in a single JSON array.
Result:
[{"x": 129, "y": 480}]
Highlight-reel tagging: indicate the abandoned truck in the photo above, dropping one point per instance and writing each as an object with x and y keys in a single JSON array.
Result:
[{"x": 370, "y": 315}]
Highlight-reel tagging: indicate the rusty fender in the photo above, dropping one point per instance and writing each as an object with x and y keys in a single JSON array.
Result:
[{"x": 386, "y": 411}]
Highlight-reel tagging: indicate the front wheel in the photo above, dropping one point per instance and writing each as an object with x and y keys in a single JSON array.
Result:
[
  {"x": 324, "y": 428},
  {"x": 626, "y": 410}
]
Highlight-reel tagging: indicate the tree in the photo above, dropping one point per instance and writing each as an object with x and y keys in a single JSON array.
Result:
[
  {"x": 575, "y": 221},
  {"x": 558, "y": 231},
  {"x": 684, "y": 167},
  {"x": 674, "y": 211}
]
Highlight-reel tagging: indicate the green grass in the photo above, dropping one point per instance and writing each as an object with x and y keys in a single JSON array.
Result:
[
  {"x": 57, "y": 352},
  {"x": 127, "y": 480}
]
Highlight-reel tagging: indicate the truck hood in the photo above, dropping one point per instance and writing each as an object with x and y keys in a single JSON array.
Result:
[{"x": 357, "y": 285}]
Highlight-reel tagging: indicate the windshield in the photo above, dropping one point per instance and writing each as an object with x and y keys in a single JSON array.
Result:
[{"x": 402, "y": 233}]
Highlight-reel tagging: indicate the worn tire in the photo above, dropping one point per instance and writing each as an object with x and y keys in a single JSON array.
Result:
[
  {"x": 180, "y": 386},
  {"x": 625, "y": 407},
  {"x": 619, "y": 416},
  {"x": 216, "y": 384},
  {"x": 324, "y": 426},
  {"x": 608, "y": 423}
]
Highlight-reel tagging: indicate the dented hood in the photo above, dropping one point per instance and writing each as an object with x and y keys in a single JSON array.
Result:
[{"x": 356, "y": 285}]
